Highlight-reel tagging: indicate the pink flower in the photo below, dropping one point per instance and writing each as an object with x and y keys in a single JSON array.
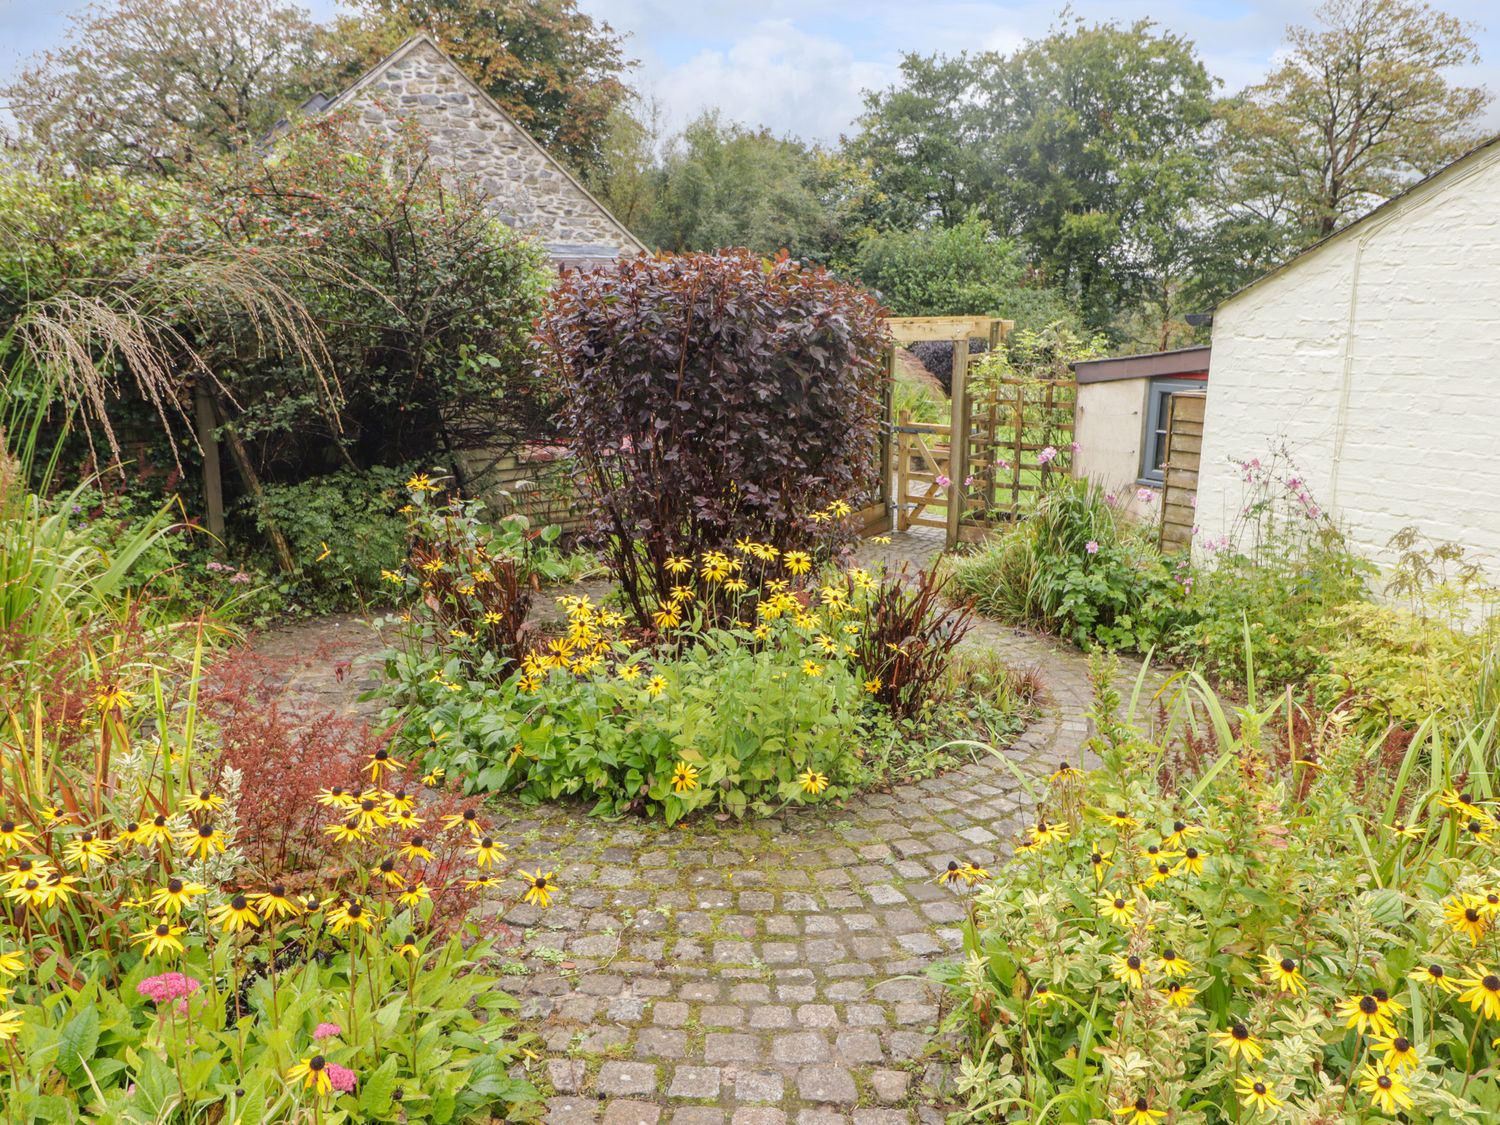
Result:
[
  {"x": 327, "y": 1031},
  {"x": 1110, "y": 498},
  {"x": 1073, "y": 446},
  {"x": 969, "y": 481},
  {"x": 943, "y": 481},
  {"x": 1092, "y": 546},
  {"x": 1145, "y": 495},
  {"x": 342, "y": 1077},
  {"x": 168, "y": 986},
  {"x": 1046, "y": 455}
]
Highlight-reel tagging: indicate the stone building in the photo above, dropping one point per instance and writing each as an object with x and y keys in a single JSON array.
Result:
[{"x": 527, "y": 189}]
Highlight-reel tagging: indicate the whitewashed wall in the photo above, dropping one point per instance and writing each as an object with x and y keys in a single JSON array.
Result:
[
  {"x": 1375, "y": 360},
  {"x": 1107, "y": 425}
]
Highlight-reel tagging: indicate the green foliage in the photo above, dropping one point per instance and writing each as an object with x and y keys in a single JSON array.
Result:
[
  {"x": 962, "y": 270},
  {"x": 748, "y": 718},
  {"x": 1075, "y": 567},
  {"x": 1086, "y": 143},
  {"x": 720, "y": 184},
  {"x": 442, "y": 1033},
  {"x": 1286, "y": 895},
  {"x": 151, "y": 84},
  {"x": 344, "y": 531},
  {"x": 1397, "y": 666}
]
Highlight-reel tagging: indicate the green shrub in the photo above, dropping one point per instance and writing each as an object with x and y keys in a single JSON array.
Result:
[
  {"x": 962, "y": 270},
  {"x": 1074, "y": 567},
  {"x": 1288, "y": 894},
  {"x": 1396, "y": 666},
  {"x": 749, "y": 721},
  {"x": 344, "y": 530}
]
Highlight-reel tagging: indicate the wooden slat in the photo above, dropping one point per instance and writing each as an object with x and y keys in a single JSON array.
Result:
[{"x": 910, "y": 329}]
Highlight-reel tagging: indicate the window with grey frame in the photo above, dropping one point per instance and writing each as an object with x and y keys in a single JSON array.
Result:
[{"x": 1159, "y": 394}]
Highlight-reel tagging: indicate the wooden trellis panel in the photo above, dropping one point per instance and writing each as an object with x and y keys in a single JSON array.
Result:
[
  {"x": 1020, "y": 434},
  {"x": 1180, "y": 474}
]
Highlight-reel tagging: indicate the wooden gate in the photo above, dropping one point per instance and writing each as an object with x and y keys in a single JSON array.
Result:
[
  {"x": 926, "y": 480},
  {"x": 1179, "y": 489}
]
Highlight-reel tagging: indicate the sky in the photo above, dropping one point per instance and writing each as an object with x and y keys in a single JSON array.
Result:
[{"x": 799, "y": 66}]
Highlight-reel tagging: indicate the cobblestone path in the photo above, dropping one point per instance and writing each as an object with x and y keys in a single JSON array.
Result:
[{"x": 750, "y": 974}]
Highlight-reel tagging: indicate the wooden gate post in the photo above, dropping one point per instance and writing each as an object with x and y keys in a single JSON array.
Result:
[
  {"x": 208, "y": 442},
  {"x": 958, "y": 439}
]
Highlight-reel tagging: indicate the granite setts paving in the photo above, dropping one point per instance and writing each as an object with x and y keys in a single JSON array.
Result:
[{"x": 757, "y": 973}]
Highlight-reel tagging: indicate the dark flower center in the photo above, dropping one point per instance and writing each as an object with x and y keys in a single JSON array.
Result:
[
  {"x": 1288, "y": 965},
  {"x": 1474, "y": 826},
  {"x": 237, "y": 902},
  {"x": 1240, "y": 1031},
  {"x": 1381, "y": 995},
  {"x": 1178, "y": 826},
  {"x": 32, "y": 884},
  {"x": 1041, "y": 988},
  {"x": 952, "y": 865},
  {"x": 1163, "y": 868},
  {"x": 1096, "y": 858},
  {"x": 337, "y": 791},
  {"x": 278, "y": 891},
  {"x": 417, "y": 842},
  {"x": 387, "y": 865},
  {"x": 1368, "y": 1006},
  {"x": 1471, "y": 915},
  {"x": 132, "y": 827},
  {"x": 1119, "y": 904},
  {"x": 317, "y": 1062},
  {"x": 1133, "y": 961},
  {"x": 1168, "y": 955},
  {"x": 1173, "y": 987},
  {"x": 1384, "y": 1081},
  {"x": 1153, "y": 850},
  {"x": 367, "y": 804},
  {"x": 469, "y": 814},
  {"x": 1121, "y": 814},
  {"x": 206, "y": 795},
  {"x": 162, "y": 929},
  {"x": 206, "y": 831},
  {"x": 1142, "y": 1105},
  {"x": 381, "y": 755},
  {"x": 159, "y": 821},
  {"x": 87, "y": 837},
  {"x": 7, "y": 826},
  {"x": 1435, "y": 971},
  {"x": 174, "y": 886},
  {"x": 541, "y": 881},
  {"x": 1491, "y": 983},
  {"x": 355, "y": 910},
  {"x": 486, "y": 843},
  {"x": 401, "y": 796},
  {"x": 1466, "y": 798},
  {"x": 1402, "y": 1044},
  {"x": 1191, "y": 853},
  {"x": 1259, "y": 1087}
]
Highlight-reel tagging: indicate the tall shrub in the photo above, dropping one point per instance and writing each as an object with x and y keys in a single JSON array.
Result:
[{"x": 711, "y": 397}]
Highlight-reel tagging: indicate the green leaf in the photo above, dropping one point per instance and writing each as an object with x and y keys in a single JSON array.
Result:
[
  {"x": 79, "y": 1039},
  {"x": 377, "y": 1087}
]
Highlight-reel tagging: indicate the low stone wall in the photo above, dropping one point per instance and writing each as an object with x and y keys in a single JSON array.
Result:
[{"x": 537, "y": 482}]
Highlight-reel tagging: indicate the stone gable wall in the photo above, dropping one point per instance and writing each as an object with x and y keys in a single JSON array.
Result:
[{"x": 527, "y": 190}]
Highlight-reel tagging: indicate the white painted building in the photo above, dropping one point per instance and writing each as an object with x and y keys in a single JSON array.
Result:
[{"x": 1373, "y": 360}]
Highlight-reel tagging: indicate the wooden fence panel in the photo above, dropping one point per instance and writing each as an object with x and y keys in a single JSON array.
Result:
[{"x": 1180, "y": 474}]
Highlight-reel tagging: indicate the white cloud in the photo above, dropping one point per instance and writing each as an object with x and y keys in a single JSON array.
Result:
[{"x": 773, "y": 75}]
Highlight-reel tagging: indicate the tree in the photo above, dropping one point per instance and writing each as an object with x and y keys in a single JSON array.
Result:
[
  {"x": 1361, "y": 107},
  {"x": 555, "y": 69},
  {"x": 156, "y": 83},
  {"x": 962, "y": 270},
  {"x": 1086, "y": 145},
  {"x": 928, "y": 139},
  {"x": 721, "y": 184}
]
